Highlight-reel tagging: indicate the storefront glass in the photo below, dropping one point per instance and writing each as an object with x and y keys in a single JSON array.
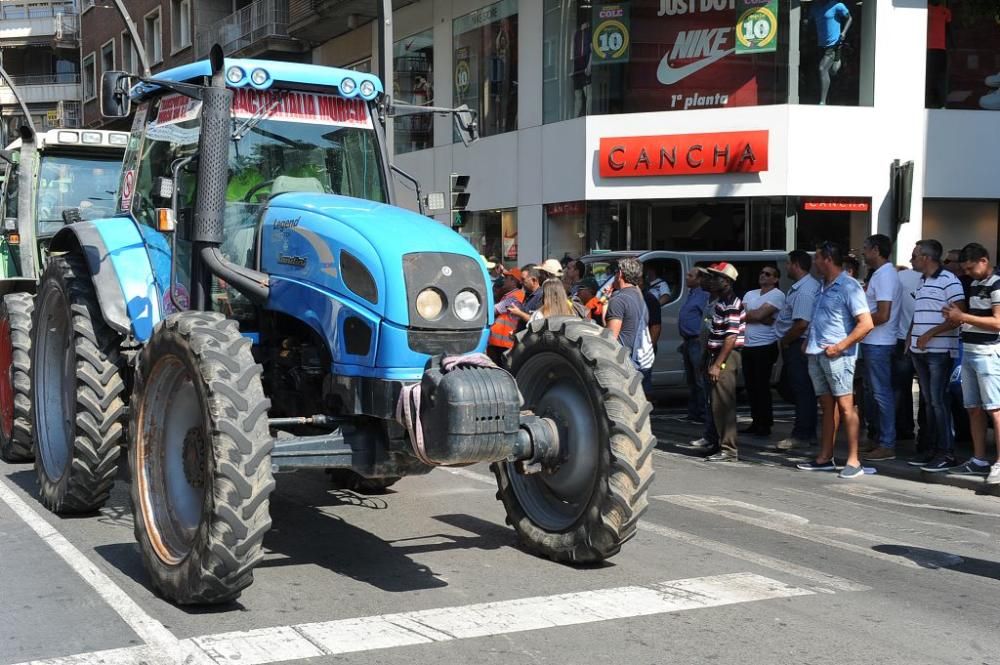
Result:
[
  {"x": 666, "y": 55},
  {"x": 485, "y": 65},
  {"x": 954, "y": 223},
  {"x": 413, "y": 60},
  {"x": 493, "y": 233},
  {"x": 963, "y": 54},
  {"x": 844, "y": 221}
]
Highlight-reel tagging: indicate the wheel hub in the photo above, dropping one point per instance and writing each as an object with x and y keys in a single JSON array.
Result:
[{"x": 194, "y": 458}]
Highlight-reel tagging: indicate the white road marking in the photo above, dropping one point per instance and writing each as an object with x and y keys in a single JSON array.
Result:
[
  {"x": 471, "y": 475},
  {"x": 284, "y": 643},
  {"x": 825, "y": 581},
  {"x": 793, "y": 526},
  {"x": 166, "y": 647},
  {"x": 876, "y": 494}
]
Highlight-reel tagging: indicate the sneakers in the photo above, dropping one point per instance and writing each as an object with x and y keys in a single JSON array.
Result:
[
  {"x": 939, "y": 463},
  {"x": 702, "y": 443},
  {"x": 813, "y": 465},
  {"x": 993, "y": 81},
  {"x": 792, "y": 442},
  {"x": 970, "y": 469},
  {"x": 722, "y": 456},
  {"x": 994, "y": 477},
  {"x": 990, "y": 102},
  {"x": 851, "y": 472},
  {"x": 880, "y": 454},
  {"x": 922, "y": 460}
]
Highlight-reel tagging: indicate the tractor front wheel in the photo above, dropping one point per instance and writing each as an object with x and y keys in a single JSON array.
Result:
[
  {"x": 200, "y": 459},
  {"x": 583, "y": 506},
  {"x": 76, "y": 385},
  {"x": 15, "y": 379}
]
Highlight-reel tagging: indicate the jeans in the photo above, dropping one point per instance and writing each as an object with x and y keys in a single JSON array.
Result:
[
  {"x": 796, "y": 371},
  {"x": 933, "y": 372},
  {"x": 878, "y": 372},
  {"x": 690, "y": 350},
  {"x": 758, "y": 361}
]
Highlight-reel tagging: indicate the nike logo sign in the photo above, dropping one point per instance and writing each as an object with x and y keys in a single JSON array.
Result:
[{"x": 668, "y": 75}]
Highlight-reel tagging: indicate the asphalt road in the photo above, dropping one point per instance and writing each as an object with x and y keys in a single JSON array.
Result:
[{"x": 740, "y": 563}]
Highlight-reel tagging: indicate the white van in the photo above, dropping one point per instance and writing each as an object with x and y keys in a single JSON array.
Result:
[{"x": 668, "y": 371}]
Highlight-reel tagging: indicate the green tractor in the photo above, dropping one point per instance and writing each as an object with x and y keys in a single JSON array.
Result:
[{"x": 50, "y": 179}]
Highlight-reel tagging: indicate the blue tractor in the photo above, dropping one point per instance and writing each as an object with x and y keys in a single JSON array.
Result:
[{"x": 258, "y": 304}]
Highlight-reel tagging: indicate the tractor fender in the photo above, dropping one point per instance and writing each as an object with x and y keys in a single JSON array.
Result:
[{"x": 120, "y": 270}]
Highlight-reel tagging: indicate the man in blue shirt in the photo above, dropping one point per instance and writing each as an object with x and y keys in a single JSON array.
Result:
[
  {"x": 841, "y": 318},
  {"x": 832, "y": 20},
  {"x": 689, "y": 322}
]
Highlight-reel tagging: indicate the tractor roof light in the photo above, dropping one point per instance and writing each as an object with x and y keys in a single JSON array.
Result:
[
  {"x": 91, "y": 137},
  {"x": 259, "y": 77},
  {"x": 367, "y": 89},
  {"x": 348, "y": 86},
  {"x": 68, "y": 137},
  {"x": 118, "y": 138},
  {"x": 235, "y": 75}
]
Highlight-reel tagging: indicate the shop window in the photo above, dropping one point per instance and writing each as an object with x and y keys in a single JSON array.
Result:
[
  {"x": 565, "y": 229},
  {"x": 668, "y": 55},
  {"x": 963, "y": 61},
  {"x": 844, "y": 221},
  {"x": 89, "y": 78},
  {"x": 954, "y": 223},
  {"x": 413, "y": 72},
  {"x": 492, "y": 233},
  {"x": 485, "y": 65}
]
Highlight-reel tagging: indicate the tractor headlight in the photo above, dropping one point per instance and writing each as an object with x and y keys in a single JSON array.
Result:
[
  {"x": 259, "y": 77},
  {"x": 235, "y": 75},
  {"x": 348, "y": 86},
  {"x": 430, "y": 304},
  {"x": 467, "y": 305},
  {"x": 367, "y": 89}
]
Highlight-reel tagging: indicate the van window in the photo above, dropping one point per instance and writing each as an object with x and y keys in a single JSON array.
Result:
[{"x": 667, "y": 270}]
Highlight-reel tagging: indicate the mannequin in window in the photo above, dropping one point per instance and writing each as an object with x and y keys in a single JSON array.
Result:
[
  {"x": 832, "y": 20},
  {"x": 580, "y": 58},
  {"x": 936, "y": 87}
]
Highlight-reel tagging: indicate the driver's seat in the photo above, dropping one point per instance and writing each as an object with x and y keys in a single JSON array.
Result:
[{"x": 286, "y": 183}]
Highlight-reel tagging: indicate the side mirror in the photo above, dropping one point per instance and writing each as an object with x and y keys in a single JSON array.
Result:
[
  {"x": 467, "y": 124},
  {"x": 115, "y": 100}
]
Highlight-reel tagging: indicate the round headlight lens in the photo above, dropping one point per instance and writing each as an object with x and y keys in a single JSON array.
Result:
[
  {"x": 367, "y": 89},
  {"x": 347, "y": 86},
  {"x": 234, "y": 75},
  {"x": 258, "y": 76},
  {"x": 467, "y": 305},
  {"x": 430, "y": 304}
]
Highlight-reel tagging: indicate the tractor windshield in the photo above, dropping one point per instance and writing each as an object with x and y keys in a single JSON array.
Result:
[{"x": 85, "y": 183}]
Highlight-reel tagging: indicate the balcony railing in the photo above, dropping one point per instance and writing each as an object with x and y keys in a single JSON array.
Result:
[
  {"x": 262, "y": 20},
  {"x": 42, "y": 93},
  {"x": 44, "y": 79},
  {"x": 60, "y": 27}
]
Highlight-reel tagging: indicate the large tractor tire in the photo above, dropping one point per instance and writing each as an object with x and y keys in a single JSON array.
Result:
[
  {"x": 200, "y": 459},
  {"x": 585, "y": 506},
  {"x": 15, "y": 378},
  {"x": 76, "y": 386}
]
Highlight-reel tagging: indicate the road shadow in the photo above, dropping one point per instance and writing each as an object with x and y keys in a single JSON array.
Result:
[{"x": 936, "y": 559}]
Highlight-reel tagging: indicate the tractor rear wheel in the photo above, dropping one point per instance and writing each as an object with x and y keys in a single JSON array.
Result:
[
  {"x": 76, "y": 386},
  {"x": 15, "y": 379},
  {"x": 200, "y": 459},
  {"x": 584, "y": 506}
]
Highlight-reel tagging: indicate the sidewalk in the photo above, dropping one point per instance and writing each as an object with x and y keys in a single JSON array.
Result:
[{"x": 673, "y": 433}]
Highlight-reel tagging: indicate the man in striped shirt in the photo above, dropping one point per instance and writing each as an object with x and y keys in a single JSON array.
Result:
[
  {"x": 932, "y": 347},
  {"x": 980, "y": 358},
  {"x": 722, "y": 356}
]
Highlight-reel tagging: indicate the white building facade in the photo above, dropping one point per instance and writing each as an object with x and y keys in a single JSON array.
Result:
[{"x": 555, "y": 80}]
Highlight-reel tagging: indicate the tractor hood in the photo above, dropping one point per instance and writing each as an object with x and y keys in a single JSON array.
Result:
[{"x": 377, "y": 255}]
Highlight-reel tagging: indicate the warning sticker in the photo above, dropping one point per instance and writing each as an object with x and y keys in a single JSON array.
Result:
[
  {"x": 306, "y": 107},
  {"x": 128, "y": 189}
]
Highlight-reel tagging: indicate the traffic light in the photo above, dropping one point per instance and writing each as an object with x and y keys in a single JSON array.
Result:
[{"x": 459, "y": 198}]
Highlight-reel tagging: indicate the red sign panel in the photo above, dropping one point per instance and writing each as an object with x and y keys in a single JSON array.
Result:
[
  {"x": 838, "y": 206},
  {"x": 684, "y": 154}
]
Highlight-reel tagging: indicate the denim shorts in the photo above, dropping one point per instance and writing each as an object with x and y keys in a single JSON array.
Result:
[
  {"x": 981, "y": 380},
  {"x": 832, "y": 376}
]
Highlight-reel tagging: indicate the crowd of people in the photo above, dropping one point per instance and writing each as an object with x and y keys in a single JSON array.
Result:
[{"x": 850, "y": 351}]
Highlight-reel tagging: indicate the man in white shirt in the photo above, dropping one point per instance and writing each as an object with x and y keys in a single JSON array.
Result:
[
  {"x": 903, "y": 372},
  {"x": 877, "y": 349},
  {"x": 760, "y": 350},
  {"x": 656, "y": 285}
]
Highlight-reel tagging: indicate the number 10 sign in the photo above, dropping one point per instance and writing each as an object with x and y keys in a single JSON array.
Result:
[
  {"x": 757, "y": 28},
  {"x": 610, "y": 40}
]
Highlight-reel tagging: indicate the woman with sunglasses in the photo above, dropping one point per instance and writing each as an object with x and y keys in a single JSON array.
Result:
[{"x": 760, "y": 350}]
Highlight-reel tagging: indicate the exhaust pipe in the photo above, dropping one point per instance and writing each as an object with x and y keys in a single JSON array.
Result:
[{"x": 213, "y": 171}]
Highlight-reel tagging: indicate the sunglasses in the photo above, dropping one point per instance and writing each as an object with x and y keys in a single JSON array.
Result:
[{"x": 768, "y": 273}]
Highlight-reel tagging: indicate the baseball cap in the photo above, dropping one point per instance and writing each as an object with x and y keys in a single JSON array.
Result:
[
  {"x": 552, "y": 267},
  {"x": 515, "y": 273},
  {"x": 724, "y": 269}
]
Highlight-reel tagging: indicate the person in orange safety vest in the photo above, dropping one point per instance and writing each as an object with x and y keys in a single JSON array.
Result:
[{"x": 505, "y": 324}]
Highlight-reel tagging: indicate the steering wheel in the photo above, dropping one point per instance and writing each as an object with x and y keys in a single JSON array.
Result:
[{"x": 255, "y": 190}]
